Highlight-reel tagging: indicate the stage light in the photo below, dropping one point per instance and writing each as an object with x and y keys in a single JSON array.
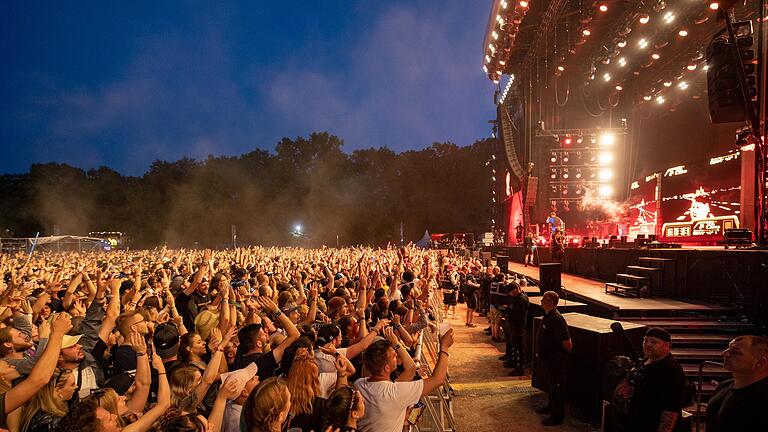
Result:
[
  {"x": 667, "y": 83},
  {"x": 565, "y": 190},
  {"x": 669, "y": 17},
  {"x": 502, "y": 62},
  {"x": 606, "y": 76},
  {"x": 561, "y": 68},
  {"x": 607, "y": 139},
  {"x": 606, "y": 174},
  {"x": 605, "y": 190},
  {"x": 579, "y": 140},
  {"x": 578, "y": 174},
  {"x": 566, "y": 159},
  {"x": 567, "y": 140},
  {"x": 605, "y": 157},
  {"x": 593, "y": 140},
  {"x": 643, "y": 42},
  {"x": 603, "y": 7},
  {"x": 644, "y": 19},
  {"x": 691, "y": 67},
  {"x": 565, "y": 176},
  {"x": 523, "y": 4},
  {"x": 659, "y": 99},
  {"x": 297, "y": 228},
  {"x": 714, "y": 5},
  {"x": 683, "y": 85},
  {"x": 621, "y": 44},
  {"x": 552, "y": 176},
  {"x": 682, "y": 33},
  {"x": 554, "y": 159},
  {"x": 622, "y": 62},
  {"x": 586, "y": 32},
  {"x": 619, "y": 88},
  {"x": 487, "y": 59},
  {"x": 647, "y": 97},
  {"x": 503, "y": 4}
]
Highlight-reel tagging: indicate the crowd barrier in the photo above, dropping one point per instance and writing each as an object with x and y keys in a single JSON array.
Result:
[{"x": 438, "y": 413}]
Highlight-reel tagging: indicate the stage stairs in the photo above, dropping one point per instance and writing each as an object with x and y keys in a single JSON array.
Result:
[
  {"x": 697, "y": 338},
  {"x": 644, "y": 279}
]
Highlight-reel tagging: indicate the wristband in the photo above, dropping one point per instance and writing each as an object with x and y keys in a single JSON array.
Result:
[
  {"x": 277, "y": 314},
  {"x": 138, "y": 354},
  {"x": 397, "y": 347},
  {"x": 163, "y": 373},
  {"x": 442, "y": 352}
]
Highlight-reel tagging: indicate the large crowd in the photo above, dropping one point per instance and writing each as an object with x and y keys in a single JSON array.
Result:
[{"x": 256, "y": 339}]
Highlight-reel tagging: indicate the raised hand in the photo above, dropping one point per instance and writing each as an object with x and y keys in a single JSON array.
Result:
[
  {"x": 138, "y": 343},
  {"x": 61, "y": 324}
]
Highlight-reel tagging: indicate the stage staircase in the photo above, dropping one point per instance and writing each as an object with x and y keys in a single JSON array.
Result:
[
  {"x": 695, "y": 339},
  {"x": 644, "y": 279}
]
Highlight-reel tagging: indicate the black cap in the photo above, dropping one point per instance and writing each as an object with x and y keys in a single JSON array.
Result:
[
  {"x": 166, "y": 340},
  {"x": 659, "y": 333}
]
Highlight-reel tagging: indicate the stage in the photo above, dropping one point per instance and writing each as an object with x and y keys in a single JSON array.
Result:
[{"x": 695, "y": 279}]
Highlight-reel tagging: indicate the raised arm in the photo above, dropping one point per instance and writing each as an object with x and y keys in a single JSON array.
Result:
[
  {"x": 143, "y": 379},
  {"x": 42, "y": 372},
  {"x": 163, "y": 400},
  {"x": 291, "y": 331},
  {"x": 441, "y": 368}
]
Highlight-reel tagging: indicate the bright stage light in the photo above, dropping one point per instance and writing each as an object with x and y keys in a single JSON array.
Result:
[
  {"x": 619, "y": 88},
  {"x": 603, "y": 7},
  {"x": 647, "y": 97},
  {"x": 659, "y": 99},
  {"x": 586, "y": 32},
  {"x": 682, "y": 33},
  {"x": 605, "y": 158},
  {"x": 669, "y": 17},
  {"x": 561, "y": 68},
  {"x": 607, "y": 139},
  {"x": 622, "y": 62},
  {"x": 553, "y": 160},
  {"x": 297, "y": 228},
  {"x": 691, "y": 67},
  {"x": 523, "y": 4},
  {"x": 606, "y": 76},
  {"x": 644, "y": 19},
  {"x": 643, "y": 43},
  {"x": 606, "y": 174},
  {"x": 621, "y": 44},
  {"x": 567, "y": 140},
  {"x": 682, "y": 85},
  {"x": 565, "y": 176},
  {"x": 714, "y": 5},
  {"x": 655, "y": 56},
  {"x": 605, "y": 190}
]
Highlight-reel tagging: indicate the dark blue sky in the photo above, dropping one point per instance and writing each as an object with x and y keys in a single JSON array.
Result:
[{"x": 122, "y": 84}]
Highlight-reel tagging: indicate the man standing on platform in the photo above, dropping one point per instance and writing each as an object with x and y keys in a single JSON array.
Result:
[
  {"x": 739, "y": 403},
  {"x": 554, "y": 345},
  {"x": 515, "y": 316},
  {"x": 528, "y": 245}
]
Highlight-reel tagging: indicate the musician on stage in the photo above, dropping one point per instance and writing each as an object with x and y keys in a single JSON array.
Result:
[
  {"x": 558, "y": 246},
  {"x": 554, "y": 223}
]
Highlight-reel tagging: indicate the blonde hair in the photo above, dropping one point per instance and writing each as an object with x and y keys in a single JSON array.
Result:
[
  {"x": 45, "y": 399},
  {"x": 303, "y": 381},
  {"x": 205, "y": 321},
  {"x": 264, "y": 404},
  {"x": 107, "y": 399},
  {"x": 183, "y": 383}
]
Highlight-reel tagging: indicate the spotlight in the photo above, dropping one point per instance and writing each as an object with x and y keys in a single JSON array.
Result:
[
  {"x": 523, "y": 4},
  {"x": 567, "y": 140},
  {"x": 552, "y": 176},
  {"x": 691, "y": 67},
  {"x": 605, "y": 190},
  {"x": 714, "y": 5},
  {"x": 560, "y": 68},
  {"x": 578, "y": 175},
  {"x": 682, "y": 33},
  {"x": 622, "y": 62},
  {"x": 647, "y": 97},
  {"x": 606, "y": 174},
  {"x": 659, "y": 99},
  {"x": 606, "y": 76},
  {"x": 643, "y": 42},
  {"x": 605, "y": 158},
  {"x": 655, "y": 56},
  {"x": 644, "y": 19},
  {"x": 667, "y": 83},
  {"x": 607, "y": 139},
  {"x": 565, "y": 159},
  {"x": 619, "y": 88},
  {"x": 579, "y": 140},
  {"x": 682, "y": 85},
  {"x": 297, "y": 228},
  {"x": 553, "y": 160},
  {"x": 586, "y": 32},
  {"x": 603, "y": 7},
  {"x": 593, "y": 140},
  {"x": 621, "y": 44},
  {"x": 565, "y": 176},
  {"x": 669, "y": 17}
]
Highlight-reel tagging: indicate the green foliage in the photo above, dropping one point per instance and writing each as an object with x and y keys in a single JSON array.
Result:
[{"x": 360, "y": 197}]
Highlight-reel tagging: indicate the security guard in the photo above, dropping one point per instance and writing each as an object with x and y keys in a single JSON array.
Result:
[
  {"x": 554, "y": 344},
  {"x": 515, "y": 316}
]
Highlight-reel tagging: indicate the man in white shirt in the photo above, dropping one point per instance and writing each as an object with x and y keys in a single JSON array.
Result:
[{"x": 386, "y": 402}]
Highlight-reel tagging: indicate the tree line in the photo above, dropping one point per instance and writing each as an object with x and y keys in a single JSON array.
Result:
[{"x": 363, "y": 197}]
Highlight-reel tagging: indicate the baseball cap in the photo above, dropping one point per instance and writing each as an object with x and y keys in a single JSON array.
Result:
[
  {"x": 70, "y": 341},
  {"x": 166, "y": 340}
]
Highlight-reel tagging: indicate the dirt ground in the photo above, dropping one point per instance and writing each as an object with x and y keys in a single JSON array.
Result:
[{"x": 486, "y": 398}]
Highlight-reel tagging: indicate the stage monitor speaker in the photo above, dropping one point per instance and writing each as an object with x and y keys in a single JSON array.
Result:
[
  {"x": 531, "y": 191},
  {"x": 503, "y": 262},
  {"x": 549, "y": 277}
]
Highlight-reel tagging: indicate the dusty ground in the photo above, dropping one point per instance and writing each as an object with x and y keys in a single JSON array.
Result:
[{"x": 486, "y": 398}]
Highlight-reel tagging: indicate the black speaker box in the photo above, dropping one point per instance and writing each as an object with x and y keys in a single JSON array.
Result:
[
  {"x": 549, "y": 277},
  {"x": 503, "y": 262}
]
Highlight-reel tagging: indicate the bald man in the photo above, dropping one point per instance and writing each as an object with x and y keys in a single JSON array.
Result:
[{"x": 739, "y": 404}]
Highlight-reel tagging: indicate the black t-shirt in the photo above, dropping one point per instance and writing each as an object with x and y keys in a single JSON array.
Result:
[
  {"x": 741, "y": 409},
  {"x": 310, "y": 421},
  {"x": 552, "y": 333},
  {"x": 518, "y": 310},
  {"x": 266, "y": 363},
  {"x": 659, "y": 387}
]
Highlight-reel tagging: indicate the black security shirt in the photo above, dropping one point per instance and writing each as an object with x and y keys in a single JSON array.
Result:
[
  {"x": 660, "y": 386},
  {"x": 741, "y": 409},
  {"x": 552, "y": 333}
]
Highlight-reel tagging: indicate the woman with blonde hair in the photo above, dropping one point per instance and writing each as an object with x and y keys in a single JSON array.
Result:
[
  {"x": 49, "y": 405},
  {"x": 267, "y": 407}
]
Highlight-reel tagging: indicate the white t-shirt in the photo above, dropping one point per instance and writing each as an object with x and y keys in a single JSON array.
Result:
[
  {"x": 386, "y": 403},
  {"x": 231, "y": 418},
  {"x": 87, "y": 382},
  {"x": 326, "y": 362}
]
